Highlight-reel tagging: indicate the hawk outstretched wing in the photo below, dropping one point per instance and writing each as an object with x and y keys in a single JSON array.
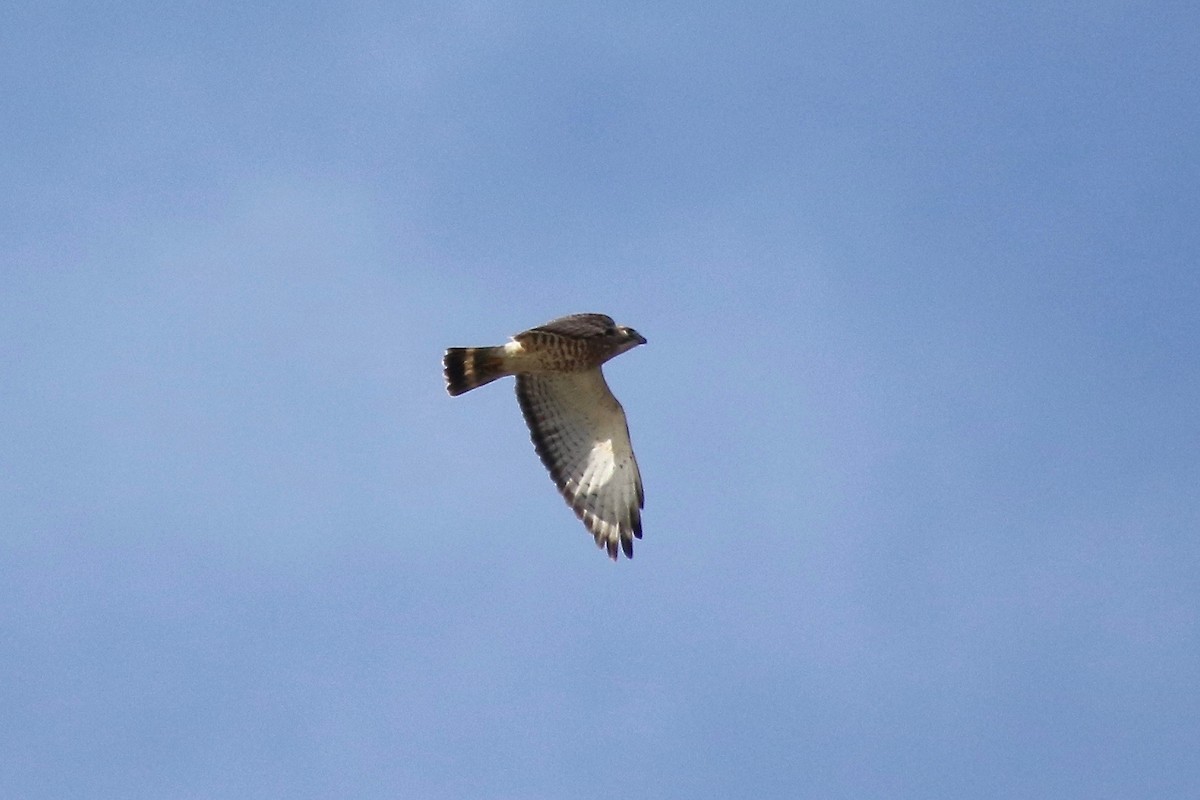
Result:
[{"x": 579, "y": 431}]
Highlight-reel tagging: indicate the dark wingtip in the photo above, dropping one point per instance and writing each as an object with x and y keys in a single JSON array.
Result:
[
  {"x": 627, "y": 546},
  {"x": 455, "y": 371}
]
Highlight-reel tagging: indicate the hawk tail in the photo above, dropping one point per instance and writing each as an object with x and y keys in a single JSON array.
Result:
[{"x": 468, "y": 368}]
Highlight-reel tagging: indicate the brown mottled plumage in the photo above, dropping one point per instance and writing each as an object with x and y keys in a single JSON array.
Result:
[{"x": 577, "y": 426}]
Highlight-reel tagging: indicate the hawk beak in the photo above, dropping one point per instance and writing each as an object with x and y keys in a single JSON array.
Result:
[{"x": 637, "y": 337}]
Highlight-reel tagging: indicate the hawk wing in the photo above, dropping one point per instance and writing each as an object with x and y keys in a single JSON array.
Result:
[
  {"x": 579, "y": 431},
  {"x": 579, "y": 325}
]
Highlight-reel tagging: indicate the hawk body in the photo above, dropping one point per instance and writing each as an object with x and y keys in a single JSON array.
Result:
[{"x": 577, "y": 426}]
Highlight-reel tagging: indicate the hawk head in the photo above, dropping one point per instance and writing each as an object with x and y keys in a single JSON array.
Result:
[{"x": 623, "y": 338}]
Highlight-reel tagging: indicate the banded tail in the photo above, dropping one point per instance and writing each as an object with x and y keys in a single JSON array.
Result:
[{"x": 468, "y": 368}]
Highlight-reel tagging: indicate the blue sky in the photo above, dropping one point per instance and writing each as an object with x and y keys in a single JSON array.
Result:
[{"x": 917, "y": 417}]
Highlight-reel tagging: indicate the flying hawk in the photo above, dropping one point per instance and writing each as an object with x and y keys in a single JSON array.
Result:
[{"x": 577, "y": 426}]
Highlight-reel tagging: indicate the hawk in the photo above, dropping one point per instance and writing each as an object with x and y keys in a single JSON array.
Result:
[{"x": 577, "y": 426}]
